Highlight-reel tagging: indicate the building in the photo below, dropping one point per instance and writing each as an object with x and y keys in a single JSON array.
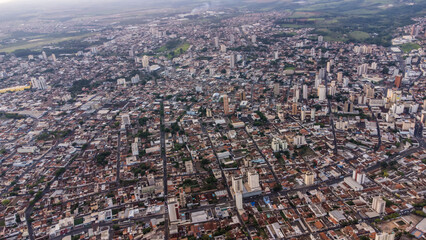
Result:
[
  {"x": 125, "y": 119},
  {"x": 353, "y": 184},
  {"x": 309, "y": 178},
  {"x": 294, "y": 109},
  {"x": 173, "y": 207},
  {"x": 208, "y": 113},
  {"x": 378, "y": 204},
  {"x": 189, "y": 166},
  {"x": 385, "y": 236},
  {"x": 225, "y": 104},
  {"x": 305, "y": 91},
  {"x": 39, "y": 83},
  {"x": 239, "y": 200},
  {"x": 276, "y": 89},
  {"x": 237, "y": 184},
  {"x": 253, "y": 180},
  {"x": 299, "y": 140},
  {"x": 340, "y": 77},
  {"x": 135, "y": 149},
  {"x": 232, "y": 61},
  {"x": 145, "y": 61},
  {"x": 358, "y": 176},
  {"x": 322, "y": 93},
  {"x": 278, "y": 144},
  {"x": 398, "y": 80}
]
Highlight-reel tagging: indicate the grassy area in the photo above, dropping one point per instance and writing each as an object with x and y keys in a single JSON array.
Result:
[
  {"x": 367, "y": 21},
  {"x": 41, "y": 42},
  {"x": 358, "y": 35},
  {"x": 407, "y": 47},
  {"x": 173, "y": 48}
]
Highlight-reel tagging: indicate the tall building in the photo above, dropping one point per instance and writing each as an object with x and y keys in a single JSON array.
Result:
[
  {"x": 222, "y": 48},
  {"x": 322, "y": 94},
  {"x": 398, "y": 80},
  {"x": 208, "y": 113},
  {"x": 309, "y": 178},
  {"x": 385, "y": 236},
  {"x": 340, "y": 77},
  {"x": 43, "y": 54},
  {"x": 302, "y": 114},
  {"x": 276, "y": 89},
  {"x": 320, "y": 39},
  {"x": 239, "y": 200},
  {"x": 253, "y": 38},
  {"x": 216, "y": 42},
  {"x": 276, "y": 55},
  {"x": 312, "y": 114},
  {"x": 378, "y": 204},
  {"x": 39, "y": 83},
  {"x": 145, "y": 61},
  {"x": 173, "y": 211},
  {"x": 305, "y": 91},
  {"x": 278, "y": 144},
  {"x": 358, "y": 176},
  {"x": 294, "y": 109},
  {"x": 299, "y": 140},
  {"x": 225, "y": 104},
  {"x": 253, "y": 180},
  {"x": 237, "y": 184},
  {"x": 232, "y": 61}
]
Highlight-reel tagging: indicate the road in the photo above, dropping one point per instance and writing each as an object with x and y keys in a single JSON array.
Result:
[
  {"x": 378, "y": 128},
  {"x": 225, "y": 182},
  {"x": 330, "y": 115},
  {"x": 164, "y": 157}
]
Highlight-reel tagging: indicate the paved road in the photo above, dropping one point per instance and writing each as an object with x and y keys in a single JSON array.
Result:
[
  {"x": 164, "y": 157},
  {"x": 225, "y": 182}
]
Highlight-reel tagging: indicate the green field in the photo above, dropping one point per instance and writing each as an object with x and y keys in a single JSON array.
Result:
[
  {"x": 366, "y": 21},
  {"x": 407, "y": 47},
  {"x": 36, "y": 43}
]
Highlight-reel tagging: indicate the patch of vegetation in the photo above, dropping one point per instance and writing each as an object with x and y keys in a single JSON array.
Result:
[
  {"x": 101, "y": 158},
  {"x": 408, "y": 47}
]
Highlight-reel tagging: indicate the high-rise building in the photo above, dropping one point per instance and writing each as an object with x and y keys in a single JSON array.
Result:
[
  {"x": 358, "y": 176},
  {"x": 232, "y": 61},
  {"x": 276, "y": 89},
  {"x": 276, "y": 55},
  {"x": 145, "y": 61},
  {"x": 43, "y": 54},
  {"x": 305, "y": 91},
  {"x": 309, "y": 178},
  {"x": 208, "y": 113},
  {"x": 253, "y": 38},
  {"x": 39, "y": 83},
  {"x": 225, "y": 104},
  {"x": 320, "y": 39},
  {"x": 294, "y": 109},
  {"x": 322, "y": 93},
  {"x": 253, "y": 180},
  {"x": 340, "y": 77},
  {"x": 378, "y": 205},
  {"x": 296, "y": 94},
  {"x": 398, "y": 80},
  {"x": 312, "y": 114},
  {"x": 329, "y": 66},
  {"x": 173, "y": 207},
  {"x": 239, "y": 200},
  {"x": 299, "y": 140},
  {"x": 278, "y": 144},
  {"x": 216, "y": 42},
  {"x": 237, "y": 184},
  {"x": 302, "y": 114},
  {"x": 222, "y": 48}
]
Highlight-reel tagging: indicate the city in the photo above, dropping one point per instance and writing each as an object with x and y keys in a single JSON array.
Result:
[{"x": 217, "y": 123}]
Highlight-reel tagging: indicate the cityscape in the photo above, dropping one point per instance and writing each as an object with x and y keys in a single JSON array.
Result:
[{"x": 211, "y": 121}]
